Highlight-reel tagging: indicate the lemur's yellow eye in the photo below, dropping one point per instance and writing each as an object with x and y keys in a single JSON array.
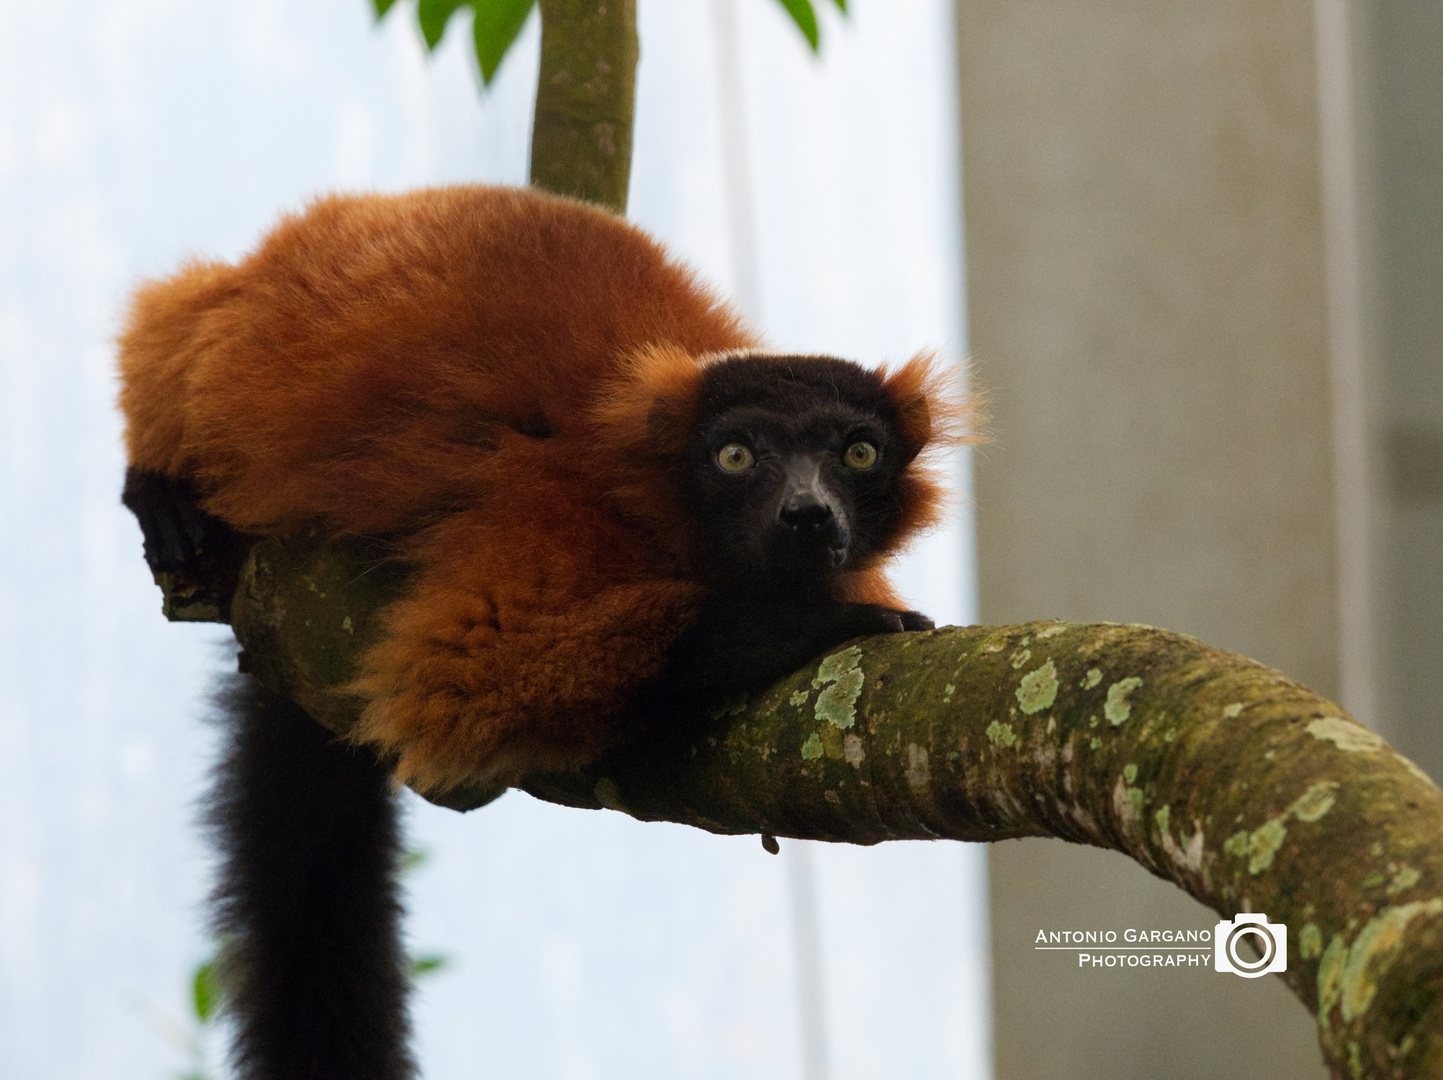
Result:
[
  {"x": 735, "y": 458},
  {"x": 860, "y": 455}
]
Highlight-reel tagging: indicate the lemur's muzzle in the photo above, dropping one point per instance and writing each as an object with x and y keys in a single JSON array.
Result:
[{"x": 811, "y": 514}]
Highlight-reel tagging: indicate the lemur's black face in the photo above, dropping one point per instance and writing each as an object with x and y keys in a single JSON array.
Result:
[{"x": 792, "y": 471}]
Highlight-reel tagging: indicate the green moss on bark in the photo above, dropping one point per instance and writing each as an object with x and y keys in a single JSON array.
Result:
[
  {"x": 581, "y": 137},
  {"x": 1216, "y": 773}
]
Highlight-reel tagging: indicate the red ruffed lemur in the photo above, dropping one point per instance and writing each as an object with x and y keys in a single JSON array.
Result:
[{"x": 616, "y": 507}]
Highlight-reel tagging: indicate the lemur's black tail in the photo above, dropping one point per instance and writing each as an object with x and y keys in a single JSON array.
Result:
[{"x": 314, "y": 973}]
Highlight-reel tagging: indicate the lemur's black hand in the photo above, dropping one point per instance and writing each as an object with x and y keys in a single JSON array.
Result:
[
  {"x": 865, "y": 619},
  {"x": 174, "y": 526},
  {"x": 915, "y": 620},
  {"x": 741, "y": 645}
]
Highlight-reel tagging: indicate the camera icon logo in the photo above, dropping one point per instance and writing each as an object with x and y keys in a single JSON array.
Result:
[{"x": 1269, "y": 941}]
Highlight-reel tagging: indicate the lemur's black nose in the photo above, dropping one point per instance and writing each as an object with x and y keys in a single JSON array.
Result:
[{"x": 804, "y": 512}]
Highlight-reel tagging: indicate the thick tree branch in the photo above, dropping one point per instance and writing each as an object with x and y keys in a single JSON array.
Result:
[{"x": 1214, "y": 772}]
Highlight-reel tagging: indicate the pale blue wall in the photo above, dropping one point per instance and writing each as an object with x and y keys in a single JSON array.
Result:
[{"x": 134, "y": 132}]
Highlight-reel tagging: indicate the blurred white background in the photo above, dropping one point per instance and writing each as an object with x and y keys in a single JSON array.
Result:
[{"x": 579, "y": 945}]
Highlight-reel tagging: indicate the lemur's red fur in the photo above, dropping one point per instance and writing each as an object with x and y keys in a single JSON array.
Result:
[{"x": 384, "y": 364}]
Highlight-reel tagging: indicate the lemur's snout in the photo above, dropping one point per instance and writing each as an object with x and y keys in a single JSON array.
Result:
[
  {"x": 810, "y": 512},
  {"x": 804, "y": 512}
]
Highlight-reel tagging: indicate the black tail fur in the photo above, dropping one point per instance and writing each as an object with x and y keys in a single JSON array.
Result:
[{"x": 314, "y": 975}]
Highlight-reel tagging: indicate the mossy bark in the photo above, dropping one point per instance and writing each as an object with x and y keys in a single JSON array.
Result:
[
  {"x": 1214, "y": 772},
  {"x": 581, "y": 137}
]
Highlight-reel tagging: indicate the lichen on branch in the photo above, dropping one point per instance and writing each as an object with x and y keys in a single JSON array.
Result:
[{"x": 1214, "y": 772}]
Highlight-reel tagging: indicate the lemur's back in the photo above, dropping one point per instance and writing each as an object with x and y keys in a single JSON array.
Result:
[{"x": 370, "y": 360}]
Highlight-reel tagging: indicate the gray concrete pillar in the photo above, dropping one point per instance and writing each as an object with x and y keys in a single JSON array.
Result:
[{"x": 1148, "y": 291}]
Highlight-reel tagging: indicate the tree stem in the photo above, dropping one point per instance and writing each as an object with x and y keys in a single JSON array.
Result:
[{"x": 581, "y": 136}]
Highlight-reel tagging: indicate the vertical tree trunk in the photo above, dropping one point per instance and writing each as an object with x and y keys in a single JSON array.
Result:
[{"x": 581, "y": 135}]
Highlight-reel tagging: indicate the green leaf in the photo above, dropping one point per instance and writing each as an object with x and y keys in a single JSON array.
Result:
[
  {"x": 842, "y": 6},
  {"x": 496, "y": 26},
  {"x": 805, "y": 18},
  {"x": 205, "y": 991},
  {"x": 381, "y": 6},
  {"x": 433, "y": 15},
  {"x": 426, "y": 963}
]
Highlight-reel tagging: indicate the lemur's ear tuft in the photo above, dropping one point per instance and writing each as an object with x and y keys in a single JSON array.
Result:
[
  {"x": 930, "y": 406},
  {"x": 650, "y": 408},
  {"x": 916, "y": 417},
  {"x": 933, "y": 415},
  {"x": 666, "y": 424},
  {"x": 643, "y": 419}
]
